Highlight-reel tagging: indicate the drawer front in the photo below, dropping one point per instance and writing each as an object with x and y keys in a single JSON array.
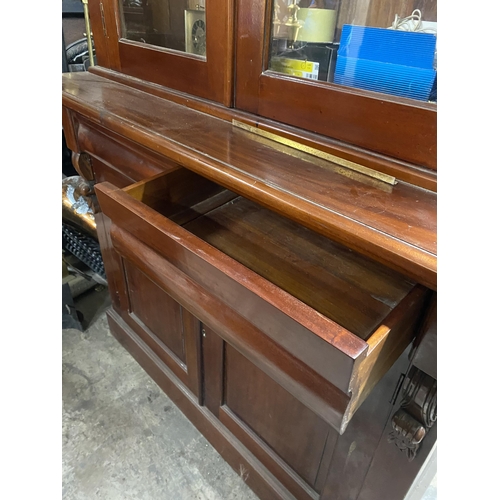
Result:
[
  {"x": 312, "y": 338},
  {"x": 129, "y": 160},
  {"x": 326, "y": 367}
]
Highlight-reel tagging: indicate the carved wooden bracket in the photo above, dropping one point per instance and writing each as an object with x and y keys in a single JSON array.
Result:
[
  {"x": 417, "y": 413},
  {"x": 83, "y": 165}
]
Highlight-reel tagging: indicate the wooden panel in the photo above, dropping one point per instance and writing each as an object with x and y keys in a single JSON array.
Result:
[
  {"x": 395, "y": 225},
  {"x": 250, "y": 44},
  {"x": 396, "y": 127},
  {"x": 69, "y": 130},
  {"x": 424, "y": 356},
  {"x": 382, "y": 13},
  {"x": 265, "y": 454},
  {"x": 293, "y": 431},
  {"x": 106, "y": 32},
  {"x": 159, "y": 312},
  {"x": 112, "y": 265}
]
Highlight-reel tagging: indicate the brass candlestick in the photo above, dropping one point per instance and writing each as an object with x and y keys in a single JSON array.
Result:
[
  {"x": 276, "y": 21},
  {"x": 293, "y": 23},
  {"x": 88, "y": 30}
]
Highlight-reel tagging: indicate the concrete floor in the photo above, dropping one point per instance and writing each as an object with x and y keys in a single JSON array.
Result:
[{"x": 122, "y": 436}]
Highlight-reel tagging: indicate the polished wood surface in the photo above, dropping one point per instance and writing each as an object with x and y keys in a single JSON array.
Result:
[
  {"x": 403, "y": 171},
  {"x": 128, "y": 159},
  {"x": 394, "y": 225}
]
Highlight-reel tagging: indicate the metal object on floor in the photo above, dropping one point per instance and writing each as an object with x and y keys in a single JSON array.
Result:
[{"x": 84, "y": 248}]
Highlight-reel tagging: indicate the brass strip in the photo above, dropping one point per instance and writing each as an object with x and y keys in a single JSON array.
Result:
[{"x": 389, "y": 179}]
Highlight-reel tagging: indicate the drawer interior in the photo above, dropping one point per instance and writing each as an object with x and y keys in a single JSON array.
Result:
[{"x": 344, "y": 286}]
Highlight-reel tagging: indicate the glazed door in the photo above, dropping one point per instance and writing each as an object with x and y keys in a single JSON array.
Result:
[
  {"x": 362, "y": 72},
  {"x": 185, "y": 45}
]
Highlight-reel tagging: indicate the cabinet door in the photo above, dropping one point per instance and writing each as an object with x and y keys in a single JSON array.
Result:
[
  {"x": 185, "y": 45},
  {"x": 333, "y": 67},
  {"x": 286, "y": 436},
  {"x": 162, "y": 323}
]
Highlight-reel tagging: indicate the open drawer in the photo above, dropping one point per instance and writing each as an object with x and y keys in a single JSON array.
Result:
[{"x": 322, "y": 321}]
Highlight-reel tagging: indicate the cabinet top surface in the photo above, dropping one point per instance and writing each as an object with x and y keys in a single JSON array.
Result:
[{"x": 396, "y": 225}]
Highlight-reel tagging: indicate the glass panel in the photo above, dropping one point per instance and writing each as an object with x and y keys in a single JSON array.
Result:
[
  {"x": 174, "y": 24},
  {"x": 386, "y": 46}
]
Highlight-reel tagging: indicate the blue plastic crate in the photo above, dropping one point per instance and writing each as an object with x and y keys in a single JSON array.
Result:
[{"x": 388, "y": 61}]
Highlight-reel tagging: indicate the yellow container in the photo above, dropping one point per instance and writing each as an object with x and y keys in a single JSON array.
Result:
[{"x": 319, "y": 25}]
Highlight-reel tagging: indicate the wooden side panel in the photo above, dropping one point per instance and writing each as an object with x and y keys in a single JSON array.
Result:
[
  {"x": 112, "y": 265},
  {"x": 424, "y": 356},
  {"x": 386, "y": 345}
]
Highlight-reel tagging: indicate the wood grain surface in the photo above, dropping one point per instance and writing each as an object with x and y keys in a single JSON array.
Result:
[{"x": 394, "y": 225}]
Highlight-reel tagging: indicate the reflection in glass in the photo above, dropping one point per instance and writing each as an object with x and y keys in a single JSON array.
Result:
[
  {"x": 173, "y": 24},
  {"x": 386, "y": 46}
]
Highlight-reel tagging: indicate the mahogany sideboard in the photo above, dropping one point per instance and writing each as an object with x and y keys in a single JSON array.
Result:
[{"x": 278, "y": 282}]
